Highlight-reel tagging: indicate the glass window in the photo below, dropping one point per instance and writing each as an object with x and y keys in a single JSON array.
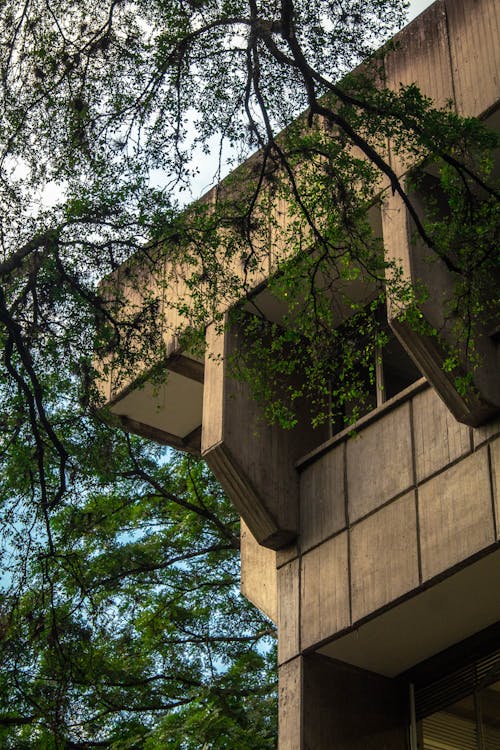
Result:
[
  {"x": 392, "y": 371},
  {"x": 472, "y": 723}
]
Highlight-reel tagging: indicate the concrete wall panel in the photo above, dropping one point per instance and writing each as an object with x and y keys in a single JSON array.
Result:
[
  {"x": 422, "y": 57},
  {"x": 439, "y": 438},
  {"x": 455, "y": 514},
  {"x": 474, "y": 31},
  {"x": 383, "y": 555},
  {"x": 487, "y": 431},
  {"x": 325, "y": 705},
  {"x": 495, "y": 472},
  {"x": 396, "y": 244},
  {"x": 288, "y": 611},
  {"x": 290, "y": 705},
  {"x": 324, "y": 604},
  {"x": 213, "y": 391},
  {"x": 379, "y": 463},
  {"x": 322, "y": 499},
  {"x": 350, "y": 709},
  {"x": 258, "y": 573}
]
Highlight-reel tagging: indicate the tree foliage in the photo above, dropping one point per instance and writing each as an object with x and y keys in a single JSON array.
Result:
[
  {"x": 107, "y": 111},
  {"x": 128, "y": 629}
]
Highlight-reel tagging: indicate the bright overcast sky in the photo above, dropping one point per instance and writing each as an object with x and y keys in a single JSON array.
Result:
[{"x": 417, "y": 6}]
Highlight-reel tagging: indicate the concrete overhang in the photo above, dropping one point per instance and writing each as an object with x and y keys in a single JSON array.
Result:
[
  {"x": 168, "y": 411},
  {"x": 420, "y": 627}
]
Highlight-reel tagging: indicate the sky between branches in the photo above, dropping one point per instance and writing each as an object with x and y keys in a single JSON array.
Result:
[{"x": 208, "y": 174}]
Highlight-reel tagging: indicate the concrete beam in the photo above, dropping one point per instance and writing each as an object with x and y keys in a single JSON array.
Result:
[{"x": 420, "y": 266}]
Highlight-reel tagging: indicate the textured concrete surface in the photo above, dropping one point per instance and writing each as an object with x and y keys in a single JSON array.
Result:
[
  {"x": 495, "y": 472},
  {"x": 384, "y": 556},
  {"x": 350, "y": 709},
  {"x": 439, "y": 438},
  {"x": 474, "y": 30},
  {"x": 290, "y": 705},
  {"x": 322, "y": 499},
  {"x": 288, "y": 611},
  {"x": 455, "y": 514},
  {"x": 379, "y": 463},
  {"x": 258, "y": 573},
  {"x": 485, "y": 432},
  {"x": 324, "y": 605}
]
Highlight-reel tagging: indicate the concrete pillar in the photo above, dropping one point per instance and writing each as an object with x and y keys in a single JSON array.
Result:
[
  {"x": 253, "y": 460},
  {"x": 327, "y": 705}
]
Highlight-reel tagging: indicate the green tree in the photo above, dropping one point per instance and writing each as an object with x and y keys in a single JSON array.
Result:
[
  {"x": 109, "y": 105},
  {"x": 132, "y": 633},
  {"x": 106, "y": 110}
]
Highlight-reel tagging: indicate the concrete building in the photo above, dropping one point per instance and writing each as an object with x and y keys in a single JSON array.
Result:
[{"x": 377, "y": 555}]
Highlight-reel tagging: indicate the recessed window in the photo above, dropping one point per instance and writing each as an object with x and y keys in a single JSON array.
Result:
[
  {"x": 391, "y": 372},
  {"x": 460, "y": 710},
  {"x": 471, "y": 723},
  {"x": 398, "y": 370}
]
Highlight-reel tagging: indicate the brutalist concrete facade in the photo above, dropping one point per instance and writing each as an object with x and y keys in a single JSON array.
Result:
[
  {"x": 397, "y": 559},
  {"x": 378, "y": 553}
]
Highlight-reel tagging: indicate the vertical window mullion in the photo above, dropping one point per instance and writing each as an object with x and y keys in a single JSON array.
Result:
[
  {"x": 481, "y": 744},
  {"x": 379, "y": 376}
]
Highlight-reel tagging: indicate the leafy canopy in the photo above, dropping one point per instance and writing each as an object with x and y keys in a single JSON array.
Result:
[
  {"x": 132, "y": 633},
  {"x": 120, "y": 622}
]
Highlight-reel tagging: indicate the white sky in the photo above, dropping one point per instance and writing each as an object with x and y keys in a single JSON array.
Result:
[{"x": 416, "y": 7}]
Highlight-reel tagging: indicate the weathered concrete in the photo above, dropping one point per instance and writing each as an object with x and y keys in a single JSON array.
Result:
[
  {"x": 325, "y": 705},
  {"x": 455, "y": 514},
  {"x": 289, "y": 611},
  {"x": 384, "y": 556},
  {"x": 322, "y": 499},
  {"x": 396, "y": 529},
  {"x": 258, "y": 573},
  {"x": 290, "y": 705},
  {"x": 495, "y": 470},
  {"x": 254, "y": 466},
  {"x": 422, "y": 55},
  {"x": 451, "y": 53},
  {"x": 439, "y": 438},
  {"x": 324, "y": 591},
  {"x": 474, "y": 31},
  {"x": 425, "y": 622},
  {"x": 379, "y": 463},
  {"x": 395, "y": 541},
  {"x": 485, "y": 432},
  {"x": 253, "y": 460},
  {"x": 419, "y": 265}
]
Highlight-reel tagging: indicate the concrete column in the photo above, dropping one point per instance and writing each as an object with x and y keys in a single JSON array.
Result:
[
  {"x": 327, "y": 705},
  {"x": 253, "y": 460}
]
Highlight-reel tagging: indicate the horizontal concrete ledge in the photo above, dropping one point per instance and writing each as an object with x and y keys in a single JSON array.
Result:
[
  {"x": 372, "y": 416},
  {"x": 190, "y": 444},
  {"x": 446, "y": 613}
]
